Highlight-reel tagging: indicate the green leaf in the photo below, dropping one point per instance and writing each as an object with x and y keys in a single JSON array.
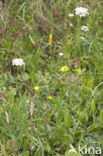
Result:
[
  {"x": 7, "y": 44},
  {"x": 2, "y": 82},
  {"x": 39, "y": 153},
  {"x": 72, "y": 154},
  {"x": 58, "y": 154},
  {"x": 77, "y": 134},
  {"x": 90, "y": 83},
  {"x": 26, "y": 153},
  {"x": 67, "y": 119},
  {"x": 25, "y": 77},
  {"x": 93, "y": 106},
  {"x": 91, "y": 127}
]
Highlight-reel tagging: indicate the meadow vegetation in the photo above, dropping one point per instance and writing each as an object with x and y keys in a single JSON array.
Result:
[{"x": 55, "y": 98}]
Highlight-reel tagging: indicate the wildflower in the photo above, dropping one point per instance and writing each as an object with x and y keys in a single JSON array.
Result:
[
  {"x": 70, "y": 15},
  {"x": 50, "y": 39},
  {"x": 61, "y": 54},
  {"x": 44, "y": 107},
  {"x": 36, "y": 143},
  {"x": 29, "y": 128},
  {"x": 42, "y": 139},
  {"x": 2, "y": 96},
  {"x": 62, "y": 82},
  {"x": 84, "y": 28},
  {"x": 70, "y": 130},
  {"x": 79, "y": 71},
  {"x": 31, "y": 109},
  {"x": 36, "y": 88},
  {"x": 76, "y": 63},
  {"x": 46, "y": 73},
  {"x": 82, "y": 12},
  {"x": 18, "y": 62},
  {"x": 82, "y": 38},
  {"x": 49, "y": 97},
  {"x": 32, "y": 147},
  {"x": 70, "y": 24},
  {"x": 64, "y": 68},
  {"x": 72, "y": 78}
]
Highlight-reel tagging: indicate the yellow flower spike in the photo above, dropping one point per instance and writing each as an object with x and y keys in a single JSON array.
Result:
[
  {"x": 62, "y": 82},
  {"x": 49, "y": 97},
  {"x": 65, "y": 26},
  {"x": 36, "y": 88},
  {"x": 79, "y": 71},
  {"x": 64, "y": 68},
  {"x": 50, "y": 39}
]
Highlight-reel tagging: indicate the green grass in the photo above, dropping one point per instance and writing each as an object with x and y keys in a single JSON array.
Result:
[{"x": 31, "y": 124}]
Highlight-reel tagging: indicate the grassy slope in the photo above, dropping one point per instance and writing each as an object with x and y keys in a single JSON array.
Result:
[{"x": 74, "y": 114}]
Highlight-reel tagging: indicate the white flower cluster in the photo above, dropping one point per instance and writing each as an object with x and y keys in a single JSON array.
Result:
[
  {"x": 18, "y": 62},
  {"x": 82, "y": 12},
  {"x": 84, "y": 28}
]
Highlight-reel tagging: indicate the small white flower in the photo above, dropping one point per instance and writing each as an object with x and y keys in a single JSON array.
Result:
[
  {"x": 84, "y": 28},
  {"x": 32, "y": 147},
  {"x": 82, "y": 12},
  {"x": 70, "y": 15},
  {"x": 18, "y": 62},
  {"x": 29, "y": 128},
  {"x": 44, "y": 107},
  {"x": 82, "y": 38},
  {"x": 70, "y": 24},
  {"x": 61, "y": 54},
  {"x": 84, "y": 69}
]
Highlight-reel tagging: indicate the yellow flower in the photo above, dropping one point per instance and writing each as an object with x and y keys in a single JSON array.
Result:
[
  {"x": 50, "y": 39},
  {"x": 79, "y": 71},
  {"x": 42, "y": 139},
  {"x": 36, "y": 143},
  {"x": 49, "y": 97},
  {"x": 36, "y": 88},
  {"x": 46, "y": 74},
  {"x": 64, "y": 68},
  {"x": 62, "y": 82}
]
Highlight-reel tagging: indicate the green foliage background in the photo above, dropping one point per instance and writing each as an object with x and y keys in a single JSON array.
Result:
[{"x": 74, "y": 115}]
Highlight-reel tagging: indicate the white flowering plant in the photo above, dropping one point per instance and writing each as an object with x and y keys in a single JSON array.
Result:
[
  {"x": 18, "y": 62},
  {"x": 84, "y": 28},
  {"x": 81, "y": 12}
]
